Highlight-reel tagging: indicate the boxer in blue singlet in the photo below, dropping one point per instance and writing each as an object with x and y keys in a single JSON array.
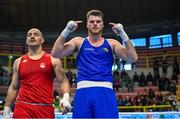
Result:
[{"x": 94, "y": 96}]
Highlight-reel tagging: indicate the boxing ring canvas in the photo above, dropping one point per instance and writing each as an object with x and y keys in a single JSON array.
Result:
[{"x": 132, "y": 115}]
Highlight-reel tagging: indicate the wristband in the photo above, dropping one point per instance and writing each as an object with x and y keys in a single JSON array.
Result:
[
  {"x": 71, "y": 26},
  {"x": 66, "y": 96},
  {"x": 6, "y": 112},
  {"x": 65, "y": 102},
  {"x": 65, "y": 32},
  {"x": 119, "y": 31},
  {"x": 124, "y": 36}
]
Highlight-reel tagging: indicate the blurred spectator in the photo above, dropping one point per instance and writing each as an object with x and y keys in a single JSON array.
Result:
[
  {"x": 74, "y": 78},
  {"x": 176, "y": 66},
  {"x": 136, "y": 79},
  {"x": 117, "y": 63},
  {"x": 149, "y": 79},
  {"x": 55, "y": 93},
  {"x": 163, "y": 83},
  {"x": 1, "y": 70},
  {"x": 144, "y": 100},
  {"x": 177, "y": 105},
  {"x": 2, "y": 101},
  {"x": 116, "y": 79},
  {"x": 1, "y": 74},
  {"x": 137, "y": 100},
  {"x": 129, "y": 83},
  {"x": 156, "y": 64},
  {"x": 133, "y": 65},
  {"x": 164, "y": 65},
  {"x": 172, "y": 87},
  {"x": 171, "y": 97},
  {"x": 116, "y": 75},
  {"x": 174, "y": 77},
  {"x": 129, "y": 102},
  {"x": 123, "y": 72},
  {"x": 142, "y": 79},
  {"x": 151, "y": 94},
  {"x": 123, "y": 80},
  {"x": 6, "y": 77},
  {"x": 159, "y": 99},
  {"x": 120, "y": 100},
  {"x": 156, "y": 79},
  {"x": 56, "y": 103},
  {"x": 123, "y": 63}
]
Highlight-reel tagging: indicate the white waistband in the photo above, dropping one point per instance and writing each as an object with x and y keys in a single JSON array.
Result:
[{"x": 87, "y": 84}]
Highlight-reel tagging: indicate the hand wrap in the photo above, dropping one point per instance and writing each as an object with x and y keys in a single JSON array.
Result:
[
  {"x": 119, "y": 30},
  {"x": 65, "y": 102},
  {"x": 71, "y": 27}
]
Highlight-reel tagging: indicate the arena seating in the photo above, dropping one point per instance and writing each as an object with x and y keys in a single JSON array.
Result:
[
  {"x": 141, "y": 89},
  {"x": 123, "y": 94},
  {"x": 144, "y": 54}
]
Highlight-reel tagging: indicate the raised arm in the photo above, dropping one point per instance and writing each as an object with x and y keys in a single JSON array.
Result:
[
  {"x": 60, "y": 49},
  {"x": 129, "y": 51},
  {"x": 12, "y": 91},
  {"x": 64, "y": 84}
]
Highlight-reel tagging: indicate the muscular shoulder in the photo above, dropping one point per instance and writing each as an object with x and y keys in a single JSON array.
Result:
[
  {"x": 55, "y": 61},
  {"x": 113, "y": 42},
  {"x": 77, "y": 40}
]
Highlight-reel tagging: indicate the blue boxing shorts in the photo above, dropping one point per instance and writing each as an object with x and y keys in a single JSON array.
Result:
[{"x": 95, "y": 100}]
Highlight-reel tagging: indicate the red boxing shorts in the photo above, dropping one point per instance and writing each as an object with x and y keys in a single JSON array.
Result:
[{"x": 32, "y": 110}]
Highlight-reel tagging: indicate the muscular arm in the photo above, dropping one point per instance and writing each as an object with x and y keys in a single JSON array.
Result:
[
  {"x": 130, "y": 52},
  {"x": 64, "y": 85},
  {"x": 58, "y": 47},
  {"x": 127, "y": 53},
  {"x": 60, "y": 76},
  {"x": 61, "y": 49},
  {"x": 14, "y": 86}
]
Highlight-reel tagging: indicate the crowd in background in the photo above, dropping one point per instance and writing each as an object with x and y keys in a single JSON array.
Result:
[
  {"x": 149, "y": 99},
  {"x": 5, "y": 76},
  {"x": 124, "y": 83}
]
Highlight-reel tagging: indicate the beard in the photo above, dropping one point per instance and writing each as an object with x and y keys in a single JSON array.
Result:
[{"x": 95, "y": 31}]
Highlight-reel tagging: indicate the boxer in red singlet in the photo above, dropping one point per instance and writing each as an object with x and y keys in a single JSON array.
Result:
[{"x": 32, "y": 82}]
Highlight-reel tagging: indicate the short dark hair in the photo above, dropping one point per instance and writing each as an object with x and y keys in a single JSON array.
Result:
[{"x": 94, "y": 13}]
